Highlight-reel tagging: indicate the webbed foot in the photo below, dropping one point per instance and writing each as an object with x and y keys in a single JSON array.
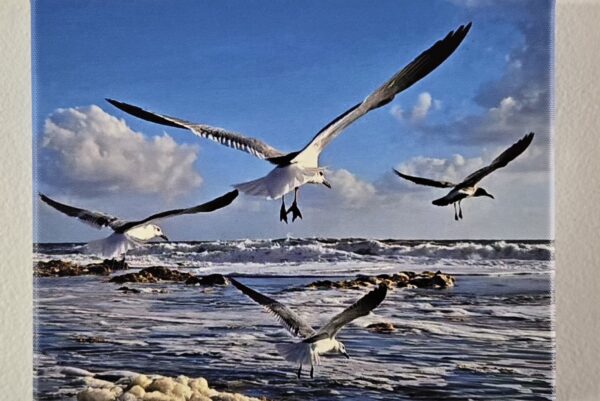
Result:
[{"x": 295, "y": 211}]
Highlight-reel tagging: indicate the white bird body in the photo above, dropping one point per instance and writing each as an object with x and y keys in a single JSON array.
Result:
[
  {"x": 313, "y": 343},
  {"x": 294, "y": 169},
  {"x": 130, "y": 234},
  {"x": 113, "y": 246},
  {"x": 469, "y": 187},
  {"x": 281, "y": 180}
]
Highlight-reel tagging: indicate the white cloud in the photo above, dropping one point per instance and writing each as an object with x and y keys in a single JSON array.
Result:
[
  {"x": 424, "y": 104},
  {"x": 420, "y": 110},
  {"x": 397, "y": 111},
  {"x": 454, "y": 169},
  {"x": 88, "y": 152}
]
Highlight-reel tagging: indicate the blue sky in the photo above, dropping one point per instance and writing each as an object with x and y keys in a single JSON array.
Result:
[{"x": 280, "y": 71}]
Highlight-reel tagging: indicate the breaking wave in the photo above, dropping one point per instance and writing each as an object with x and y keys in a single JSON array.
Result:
[{"x": 315, "y": 250}]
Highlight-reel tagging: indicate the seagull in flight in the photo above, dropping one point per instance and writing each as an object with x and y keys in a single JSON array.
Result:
[
  {"x": 468, "y": 187},
  {"x": 313, "y": 343},
  {"x": 294, "y": 169},
  {"x": 130, "y": 234}
]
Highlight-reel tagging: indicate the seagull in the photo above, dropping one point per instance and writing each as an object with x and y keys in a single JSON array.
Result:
[
  {"x": 468, "y": 187},
  {"x": 292, "y": 170},
  {"x": 313, "y": 343},
  {"x": 130, "y": 234}
]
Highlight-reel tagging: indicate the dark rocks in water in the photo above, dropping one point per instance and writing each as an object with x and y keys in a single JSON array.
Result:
[
  {"x": 59, "y": 268},
  {"x": 382, "y": 327},
  {"x": 210, "y": 280},
  {"x": 139, "y": 277},
  {"x": 128, "y": 290},
  {"x": 152, "y": 274},
  {"x": 400, "y": 280},
  {"x": 433, "y": 280}
]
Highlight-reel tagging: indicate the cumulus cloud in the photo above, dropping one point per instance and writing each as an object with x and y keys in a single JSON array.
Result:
[
  {"x": 453, "y": 169},
  {"x": 88, "y": 152},
  {"x": 518, "y": 101},
  {"x": 424, "y": 104}
]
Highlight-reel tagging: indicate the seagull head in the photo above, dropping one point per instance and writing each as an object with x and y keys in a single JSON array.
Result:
[
  {"x": 482, "y": 192},
  {"x": 158, "y": 233},
  {"x": 319, "y": 178},
  {"x": 341, "y": 348}
]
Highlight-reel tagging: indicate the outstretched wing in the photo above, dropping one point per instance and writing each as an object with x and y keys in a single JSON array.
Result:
[
  {"x": 425, "y": 181},
  {"x": 505, "y": 157},
  {"x": 292, "y": 322},
  {"x": 214, "y": 204},
  {"x": 94, "y": 219},
  {"x": 426, "y": 62},
  {"x": 362, "y": 307},
  {"x": 231, "y": 139}
]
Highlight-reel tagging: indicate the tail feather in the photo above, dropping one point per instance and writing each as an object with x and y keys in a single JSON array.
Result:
[
  {"x": 300, "y": 353},
  {"x": 440, "y": 202},
  {"x": 112, "y": 246}
]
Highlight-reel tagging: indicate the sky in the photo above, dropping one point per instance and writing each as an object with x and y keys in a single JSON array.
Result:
[{"x": 280, "y": 71}]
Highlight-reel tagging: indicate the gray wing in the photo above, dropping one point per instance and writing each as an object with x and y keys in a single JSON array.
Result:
[
  {"x": 362, "y": 307},
  {"x": 425, "y": 181},
  {"x": 94, "y": 219},
  {"x": 292, "y": 322},
  {"x": 210, "y": 206},
  {"x": 426, "y": 62},
  {"x": 501, "y": 161},
  {"x": 231, "y": 139}
]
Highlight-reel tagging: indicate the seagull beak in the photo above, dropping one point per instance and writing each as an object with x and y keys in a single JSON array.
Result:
[
  {"x": 346, "y": 355},
  {"x": 164, "y": 237},
  {"x": 327, "y": 184}
]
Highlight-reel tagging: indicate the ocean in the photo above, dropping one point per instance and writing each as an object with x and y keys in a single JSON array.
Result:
[{"x": 488, "y": 338}]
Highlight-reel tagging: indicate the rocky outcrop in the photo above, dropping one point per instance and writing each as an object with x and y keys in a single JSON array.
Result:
[
  {"x": 210, "y": 280},
  {"x": 155, "y": 274},
  {"x": 152, "y": 274},
  {"x": 59, "y": 268},
  {"x": 425, "y": 279},
  {"x": 382, "y": 328}
]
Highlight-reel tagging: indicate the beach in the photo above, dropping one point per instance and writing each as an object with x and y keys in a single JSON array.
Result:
[{"x": 489, "y": 337}]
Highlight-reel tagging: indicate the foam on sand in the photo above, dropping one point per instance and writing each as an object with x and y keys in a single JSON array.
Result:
[{"x": 155, "y": 388}]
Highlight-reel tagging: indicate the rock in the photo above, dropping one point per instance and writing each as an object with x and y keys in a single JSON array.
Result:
[
  {"x": 402, "y": 280},
  {"x": 59, "y": 268},
  {"x": 128, "y": 290},
  {"x": 164, "y": 273},
  {"x": 139, "y": 277},
  {"x": 433, "y": 280},
  {"x": 152, "y": 275},
  {"x": 210, "y": 280},
  {"x": 382, "y": 327}
]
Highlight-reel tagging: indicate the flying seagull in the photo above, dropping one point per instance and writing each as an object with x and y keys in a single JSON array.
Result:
[
  {"x": 468, "y": 187},
  {"x": 314, "y": 343},
  {"x": 302, "y": 167},
  {"x": 130, "y": 234}
]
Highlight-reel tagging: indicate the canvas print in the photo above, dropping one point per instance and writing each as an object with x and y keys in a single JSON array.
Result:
[{"x": 291, "y": 200}]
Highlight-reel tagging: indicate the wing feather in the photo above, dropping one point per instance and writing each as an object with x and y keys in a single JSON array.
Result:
[
  {"x": 362, "y": 307},
  {"x": 210, "y": 206},
  {"x": 95, "y": 219},
  {"x": 230, "y": 139},
  {"x": 292, "y": 322},
  {"x": 425, "y": 181},
  {"x": 425, "y": 63},
  {"x": 501, "y": 161}
]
